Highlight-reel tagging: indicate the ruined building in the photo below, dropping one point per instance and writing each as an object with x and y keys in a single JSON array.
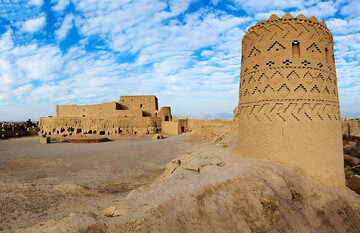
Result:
[
  {"x": 131, "y": 115},
  {"x": 288, "y": 108}
]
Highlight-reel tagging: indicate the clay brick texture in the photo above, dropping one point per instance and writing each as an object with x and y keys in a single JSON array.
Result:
[{"x": 288, "y": 108}]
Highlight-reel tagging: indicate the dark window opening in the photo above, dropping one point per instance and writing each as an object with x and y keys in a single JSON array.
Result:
[
  {"x": 327, "y": 55},
  {"x": 102, "y": 132},
  {"x": 141, "y": 105},
  {"x": 90, "y": 131},
  {"x": 182, "y": 129},
  {"x": 49, "y": 133},
  {"x": 296, "y": 49},
  {"x": 94, "y": 132},
  {"x": 166, "y": 118},
  {"x": 78, "y": 131},
  {"x": 57, "y": 132},
  {"x": 83, "y": 115},
  {"x": 158, "y": 137}
]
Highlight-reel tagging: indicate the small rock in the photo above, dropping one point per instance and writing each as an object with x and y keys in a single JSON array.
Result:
[
  {"x": 157, "y": 136},
  {"x": 354, "y": 183}
]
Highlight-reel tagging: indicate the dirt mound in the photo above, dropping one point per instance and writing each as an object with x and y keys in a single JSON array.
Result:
[
  {"x": 247, "y": 196},
  {"x": 202, "y": 193}
]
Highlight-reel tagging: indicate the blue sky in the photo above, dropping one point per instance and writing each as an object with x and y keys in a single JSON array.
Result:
[{"x": 185, "y": 52}]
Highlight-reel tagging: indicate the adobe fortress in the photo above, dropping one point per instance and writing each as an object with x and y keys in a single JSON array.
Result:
[
  {"x": 288, "y": 108},
  {"x": 131, "y": 115}
]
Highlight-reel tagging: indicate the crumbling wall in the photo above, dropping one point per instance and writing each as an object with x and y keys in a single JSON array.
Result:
[
  {"x": 67, "y": 126},
  {"x": 351, "y": 128},
  {"x": 214, "y": 130}
]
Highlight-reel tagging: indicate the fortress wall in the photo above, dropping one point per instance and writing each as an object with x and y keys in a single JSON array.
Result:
[
  {"x": 351, "y": 128},
  {"x": 183, "y": 124},
  {"x": 127, "y": 113},
  {"x": 147, "y": 103},
  {"x": 111, "y": 109},
  {"x": 165, "y": 114},
  {"x": 97, "y": 125},
  {"x": 211, "y": 129},
  {"x": 133, "y": 115},
  {"x": 171, "y": 127},
  {"x": 95, "y": 110},
  {"x": 288, "y": 108}
]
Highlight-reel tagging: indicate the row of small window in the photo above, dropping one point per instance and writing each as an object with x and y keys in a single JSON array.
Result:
[{"x": 296, "y": 50}]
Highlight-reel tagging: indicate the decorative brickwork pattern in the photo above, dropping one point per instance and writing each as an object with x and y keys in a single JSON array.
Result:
[{"x": 288, "y": 96}]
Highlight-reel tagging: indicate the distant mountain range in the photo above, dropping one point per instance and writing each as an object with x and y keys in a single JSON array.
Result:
[{"x": 222, "y": 115}]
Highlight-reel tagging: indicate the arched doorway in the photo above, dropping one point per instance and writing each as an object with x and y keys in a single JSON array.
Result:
[{"x": 166, "y": 118}]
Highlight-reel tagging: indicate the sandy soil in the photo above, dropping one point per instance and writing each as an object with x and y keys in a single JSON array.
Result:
[
  {"x": 40, "y": 182},
  {"x": 179, "y": 184},
  {"x": 212, "y": 189}
]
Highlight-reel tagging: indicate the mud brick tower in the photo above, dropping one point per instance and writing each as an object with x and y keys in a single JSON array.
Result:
[{"x": 288, "y": 108}]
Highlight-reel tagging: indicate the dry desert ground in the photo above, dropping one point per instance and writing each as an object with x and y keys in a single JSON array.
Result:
[
  {"x": 179, "y": 184},
  {"x": 40, "y": 182}
]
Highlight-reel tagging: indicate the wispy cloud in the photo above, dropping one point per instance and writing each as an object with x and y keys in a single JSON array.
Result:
[
  {"x": 38, "y": 3},
  {"x": 60, "y": 5},
  {"x": 34, "y": 25},
  {"x": 66, "y": 26}
]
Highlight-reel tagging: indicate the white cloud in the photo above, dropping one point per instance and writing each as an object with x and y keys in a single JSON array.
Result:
[
  {"x": 34, "y": 25},
  {"x": 65, "y": 27},
  {"x": 321, "y": 10},
  {"x": 41, "y": 65},
  {"x": 266, "y": 16},
  {"x": 171, "y": 65},
  {"x": 60, "y": 5},
  {"x": 179, "y": 6},
  {"x": 38, "y": 3},
  {"x": 267, "y": 5},
  {"x": 6, "y": 42},
  {"x": 351, "y": 9},
  {"x": 342, "y": 26}
]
